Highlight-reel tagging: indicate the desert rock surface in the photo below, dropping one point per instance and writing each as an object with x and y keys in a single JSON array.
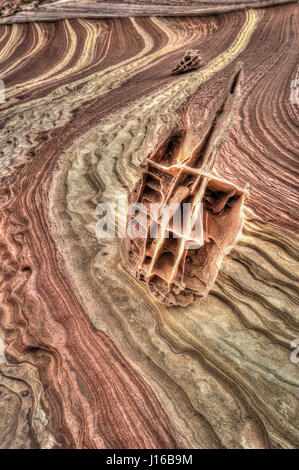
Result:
[{"x": 88, "y": 358}]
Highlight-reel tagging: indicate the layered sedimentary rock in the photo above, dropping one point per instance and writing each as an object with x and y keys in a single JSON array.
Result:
[
  {"x": 178, "y": 247},
  {"x": 88, "y": 357},
  {"x": 45, "y": 10}
]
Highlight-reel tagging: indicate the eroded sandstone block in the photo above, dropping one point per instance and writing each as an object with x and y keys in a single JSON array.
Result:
[
  {"x": 190, "y": 61},
  {"x": 181, "y": 265}
]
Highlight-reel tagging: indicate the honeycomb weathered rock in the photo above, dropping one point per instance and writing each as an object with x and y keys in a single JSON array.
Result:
[
  {"x": 190, "y": 61},
  {"x": 180, "y": 266}
]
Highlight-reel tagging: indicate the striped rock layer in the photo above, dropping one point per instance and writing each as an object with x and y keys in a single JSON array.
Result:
[{"x": 88, "y": 358}]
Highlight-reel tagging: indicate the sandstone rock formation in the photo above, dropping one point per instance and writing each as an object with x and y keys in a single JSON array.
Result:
[
  {"x": 190, "y": 61},
  {"x": 88, "y": 357},
  {"x": 176, "y": 260}
]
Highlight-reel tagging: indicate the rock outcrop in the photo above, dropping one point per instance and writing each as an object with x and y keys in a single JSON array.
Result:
[
  {"x": 190, "y": 61},
  {"x": 198, "y": 217}
]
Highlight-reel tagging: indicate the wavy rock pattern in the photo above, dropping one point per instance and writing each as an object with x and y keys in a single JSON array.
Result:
[{"x": 88, "y": 357}]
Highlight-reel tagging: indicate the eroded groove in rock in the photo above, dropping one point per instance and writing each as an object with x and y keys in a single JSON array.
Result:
[{"x": 178, "y": 264}]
